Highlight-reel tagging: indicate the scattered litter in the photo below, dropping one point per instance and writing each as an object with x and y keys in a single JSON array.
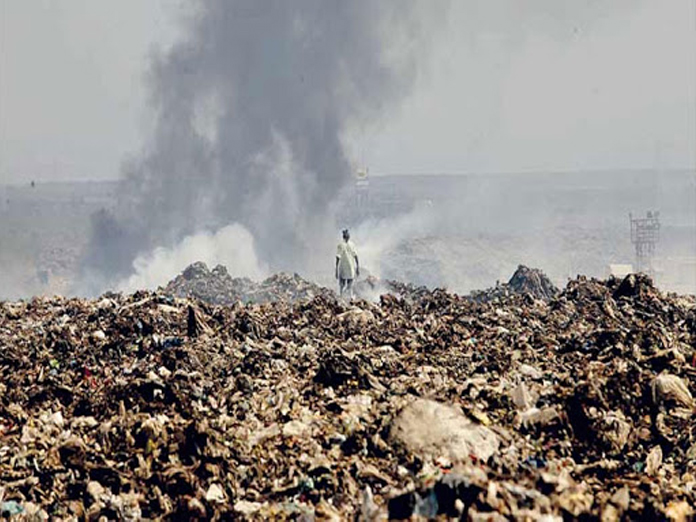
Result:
[{"x": 277, "y": 400}]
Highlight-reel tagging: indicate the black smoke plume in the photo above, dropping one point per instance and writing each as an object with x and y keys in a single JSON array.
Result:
[{"x": 249, "y": 110}]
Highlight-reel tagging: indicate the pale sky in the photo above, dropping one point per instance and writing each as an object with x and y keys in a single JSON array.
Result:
[
  {"x": 510, "y": 85},
  {"x": 519, "y": 85},
  {"x": 72, "y": 91}
]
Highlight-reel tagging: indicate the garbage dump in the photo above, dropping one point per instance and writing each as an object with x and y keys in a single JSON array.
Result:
[
  {"x": 153, "y": 406},
  {"x": 531, "y": 281},
  {"x": 216, "y": 286}
]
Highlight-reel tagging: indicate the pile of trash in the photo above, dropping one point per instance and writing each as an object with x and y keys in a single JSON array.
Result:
[
  {"x": 217, "y": 287},
  {"x": 370, "y": 288},
  {"x": 152, "y": 406},
  {"x": 525, "y": 281},
  {"x": 532, "y": 281}
]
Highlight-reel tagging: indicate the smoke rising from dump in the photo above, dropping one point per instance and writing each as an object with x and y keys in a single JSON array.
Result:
[
  {"x": 231, "y": 246},
  {"x": 250, "y": 109}
]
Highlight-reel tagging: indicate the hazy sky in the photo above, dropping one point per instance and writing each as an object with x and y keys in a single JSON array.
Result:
[
  {"x": 510, "y": 85},
  {"x": 72, "y": 84}
]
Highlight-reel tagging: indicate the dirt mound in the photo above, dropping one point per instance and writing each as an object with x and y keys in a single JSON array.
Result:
[{"x": 150, "y": 406}]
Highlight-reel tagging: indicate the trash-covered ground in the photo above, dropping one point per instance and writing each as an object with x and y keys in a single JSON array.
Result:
[
  {"x": 148, "y": 406},
  {"x": 218, "y": 287},
  {"x": 530, "y": 281}
]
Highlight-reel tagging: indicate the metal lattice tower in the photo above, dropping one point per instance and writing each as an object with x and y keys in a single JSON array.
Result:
[
  {"x": 362, "y": 187},
  {"x": 645, "y": 234}
]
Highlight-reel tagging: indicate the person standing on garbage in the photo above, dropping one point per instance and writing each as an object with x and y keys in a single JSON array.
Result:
[{"x": 347, "y": 265}]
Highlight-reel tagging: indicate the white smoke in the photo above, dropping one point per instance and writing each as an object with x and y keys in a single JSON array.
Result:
[
  {"x": 375, "y": 238},
  {"x": 231, "y": 246}
]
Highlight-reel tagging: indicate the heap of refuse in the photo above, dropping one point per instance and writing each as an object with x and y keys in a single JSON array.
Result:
[
  {"x": 525, "y": 281},
  {"x": 216, "y": 286},
  {"x": 149, "y": 406},
  {"x": 371, "y": 288}
]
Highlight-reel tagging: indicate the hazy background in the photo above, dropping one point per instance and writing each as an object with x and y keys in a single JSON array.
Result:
[
  {"x": 510, "y": 86},
  {"x": 591, "y": 88}
]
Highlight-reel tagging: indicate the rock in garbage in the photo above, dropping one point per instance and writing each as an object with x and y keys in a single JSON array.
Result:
[
  {"x": 426, "y": 427},
  {"x": 669, "y": 389}
]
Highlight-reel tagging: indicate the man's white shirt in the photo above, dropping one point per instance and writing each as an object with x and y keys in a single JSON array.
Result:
[{"x": 346, "y": 253}]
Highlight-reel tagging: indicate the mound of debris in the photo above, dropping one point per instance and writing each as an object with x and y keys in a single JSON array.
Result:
[
  {"x": 532, "y": 281},
  {"x": 218, "y": 287},
  {"x": 370, "y": 288},
  {"x": 525, "y": 281},
  {"x": 149, "y": 406}
]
